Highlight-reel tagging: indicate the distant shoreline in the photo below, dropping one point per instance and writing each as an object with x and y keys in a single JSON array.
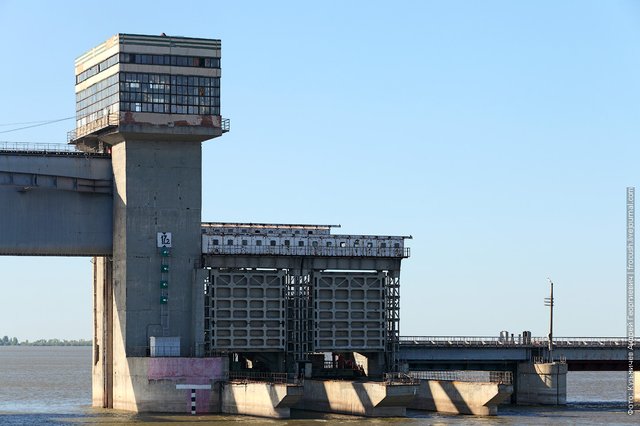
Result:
[{"x": 12, "y": 341}]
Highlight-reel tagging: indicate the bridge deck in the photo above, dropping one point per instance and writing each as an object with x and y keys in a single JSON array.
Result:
[
  {"x": 586, "y": 353},
  {"x": 485, "y": 341}
]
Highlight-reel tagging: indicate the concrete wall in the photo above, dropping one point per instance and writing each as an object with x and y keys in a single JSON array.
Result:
[
  {"x": 544, "y": 384},
  {"x": 461, "y": 397},
  {"x": 260, "y": 399},
  {"x": 149, "y": 384},
  {"x": 371, "y": 399},
  {"x": 158, "y": 189},
  {"x": 51, "y": 218}
]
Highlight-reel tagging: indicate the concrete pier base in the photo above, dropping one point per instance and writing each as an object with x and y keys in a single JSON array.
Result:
[
  {"x": 457, "y": 397},
  {"x": 143, "y": 384},
  {"x": 541, "y": 384},
  {"x": 260, "y": 399},
  {"x": 371, "y": 399}
]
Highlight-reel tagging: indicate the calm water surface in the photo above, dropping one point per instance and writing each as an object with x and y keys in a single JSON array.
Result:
[{"x": 52, "y": 386}]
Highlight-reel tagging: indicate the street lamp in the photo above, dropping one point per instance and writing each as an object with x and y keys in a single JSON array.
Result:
[{"x": 548, "y": 301}]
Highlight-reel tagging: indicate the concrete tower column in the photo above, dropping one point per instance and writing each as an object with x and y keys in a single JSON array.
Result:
[
  {"x": 157, "y": 189},
  {"x": 150, "y": 101}
]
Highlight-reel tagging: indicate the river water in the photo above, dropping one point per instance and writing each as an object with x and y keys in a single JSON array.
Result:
[{"x": 52, "y": 386}]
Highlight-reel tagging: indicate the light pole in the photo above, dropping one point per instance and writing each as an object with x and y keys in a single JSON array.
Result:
[{"x": 548, "y": 301}]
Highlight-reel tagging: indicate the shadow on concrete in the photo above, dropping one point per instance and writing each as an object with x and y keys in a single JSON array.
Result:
[
  {"x": 360, "y": 398},
  {"x": 456, "y": 397},
  {"x": 544, "y": 383}
]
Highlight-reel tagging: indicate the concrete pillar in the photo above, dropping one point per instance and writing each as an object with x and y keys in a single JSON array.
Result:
[
  {"x": 544, "y": 384},
  {"x": 102, "y": 356},
  {"x": 157, "y": 188}
]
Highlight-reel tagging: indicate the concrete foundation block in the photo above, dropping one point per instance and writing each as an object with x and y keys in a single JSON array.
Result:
[
  {"x": 457, "y": 397},
  {"x": 541, "y": 384},
  {"x": 272, "y": 400},
  {"x": 149, "y": 384},
  {"x": 371, "y": 399}
]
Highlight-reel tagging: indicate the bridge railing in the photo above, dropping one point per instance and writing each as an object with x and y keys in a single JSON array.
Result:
[
  {"x": 501, "y": 377},
  {"x": 515, "y": 341},
  {"x": 458, "y": 340},
  {"x": 583, "y": 341},
  {"x": 33, "y": 148},
  {"x": 37, "y": 147}
]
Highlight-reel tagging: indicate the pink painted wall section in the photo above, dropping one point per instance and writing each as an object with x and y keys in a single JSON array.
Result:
[{"x": 186, "y": 370}]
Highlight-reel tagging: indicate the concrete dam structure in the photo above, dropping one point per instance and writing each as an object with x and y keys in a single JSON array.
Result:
[
  {"x": 186, "y": 312},
  {"x": 213, "y": 317}
]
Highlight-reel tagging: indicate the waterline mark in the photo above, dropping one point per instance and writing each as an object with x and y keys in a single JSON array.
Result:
[{"x": 631, "y": 281}]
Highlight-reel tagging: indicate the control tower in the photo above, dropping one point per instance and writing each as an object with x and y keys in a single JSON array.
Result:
[{"x": 149, "y": 101}]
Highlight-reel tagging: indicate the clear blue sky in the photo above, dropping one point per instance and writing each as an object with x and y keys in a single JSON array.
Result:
[{"x": 500, "y": 134}]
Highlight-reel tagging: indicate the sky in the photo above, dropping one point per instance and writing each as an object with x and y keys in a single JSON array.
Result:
[{"x": 501, "y": 135}]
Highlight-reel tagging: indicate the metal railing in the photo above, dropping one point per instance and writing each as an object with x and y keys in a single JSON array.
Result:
[
  {"x": 282, "y": 250},
  {"x": 502, "y": 377},
  {"x": 114, "y": 120},
  {"x": 515, "y": 341},
  {"x": 38, "y": 147},
  {"x": 342, "y": 364},
  {"x": 97, "y": 124},
  {"x": 400, "y": 379},
  {"x": 583, "y": 341},
  {"x": 547, "y": 358},
  {"x": 457, "y": 341},
  {"x": 262, "y": 377}
]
